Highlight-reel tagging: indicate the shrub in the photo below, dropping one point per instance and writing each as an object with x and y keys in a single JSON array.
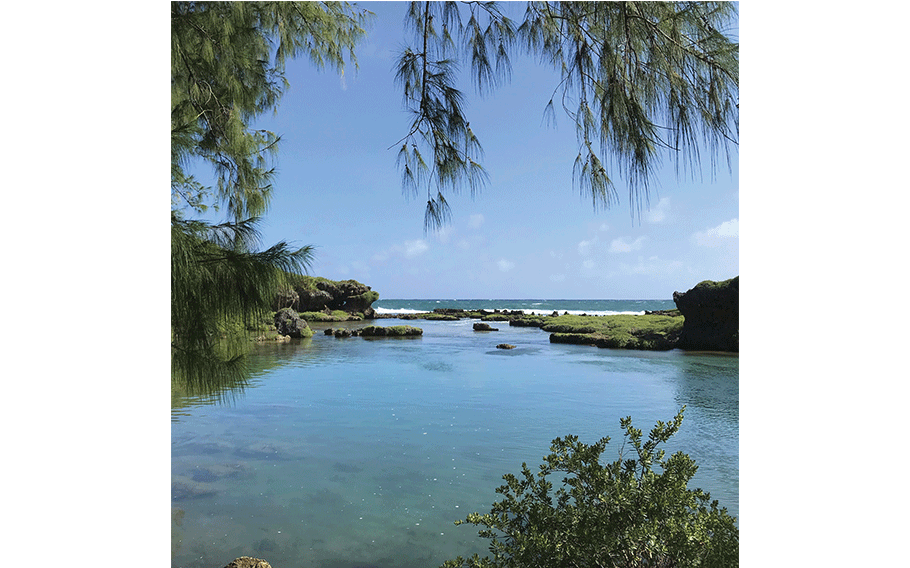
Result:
[{"x": 621, "y": 514}]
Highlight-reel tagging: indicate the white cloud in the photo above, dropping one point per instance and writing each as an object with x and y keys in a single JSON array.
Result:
[
  {"x": 409, "y": 249},
  {"x": 505, "y": 265},
  {"x": 623, "y": 244},
  {"x": 589, "y": 264},
  {"x": 716, "y": 236},
  {"x": 415, "y": 248},
  {"x": 557, "y": 277},
  {"x": 444, "y": 234},
  {"x": 475, "y": 221},
  {"x": 652, "y": 266},
  {"x": 584, "y": 247},
  {"x": 659, "y": 212}
]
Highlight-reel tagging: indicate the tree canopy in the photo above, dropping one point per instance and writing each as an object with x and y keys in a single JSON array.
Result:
[
  {"x": 227, "y": 68},
  {"x": 639, "y": 80}
]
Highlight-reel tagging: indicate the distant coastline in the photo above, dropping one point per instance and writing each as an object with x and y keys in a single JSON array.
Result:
[
  {"x": 705, "y": 318},
  {"x": 536, "y": 306}
]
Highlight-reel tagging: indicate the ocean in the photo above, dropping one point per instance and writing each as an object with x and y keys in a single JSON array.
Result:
[
  {"x": 348, "y": 453},
  {"x": 543, "y": 307}
]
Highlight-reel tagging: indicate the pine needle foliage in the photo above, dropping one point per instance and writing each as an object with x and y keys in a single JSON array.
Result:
[
  {"x": 440, "y": 152},
  {"x": 219, "y": 289},
  {"x": 622, "y": 514},
  {"x": 639, "y": 80},
  {"x": 227, "y": 68}
]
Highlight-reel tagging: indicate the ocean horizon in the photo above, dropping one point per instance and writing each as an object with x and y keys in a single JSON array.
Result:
[{"x": 541, "y": 306}]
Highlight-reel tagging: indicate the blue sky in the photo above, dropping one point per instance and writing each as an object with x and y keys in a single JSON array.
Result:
[{"x": 528, "y": 234}]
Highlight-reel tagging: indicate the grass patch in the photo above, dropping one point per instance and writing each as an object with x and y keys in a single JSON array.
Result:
[
  {"x": 440, "y": 317},
  {"x": 390, "y": 331},
  {"x": 336, "y": 315},
  {"x": 651, "y": 331}
]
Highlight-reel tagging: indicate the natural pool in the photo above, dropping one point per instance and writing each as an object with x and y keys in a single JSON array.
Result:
[{"x": 346, "y": 453}]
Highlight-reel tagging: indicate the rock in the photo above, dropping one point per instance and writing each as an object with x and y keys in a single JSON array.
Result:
[
  {"x": 711, "y": 311},
  {"x": 527, "y": 321},
  {"x": 369, "y": 313},
  {"x": 287, "y": 298},
  {"x": 329, "y": 331},
  {"x": 457, "y": 312},
  {"x": 392, "y": 331},
  {"x": 441, "y": 317},
  {"x": 496, "y": 317},
  {"x": 484, "y": 327},
  {"x": 323, "y": 295},
  {"x": 505, "y": 346},
  {"x": 313, "y": 300},
  {"x": 287, "y": 322},
  {"x": 342, "y": 333},
  {"x": 248, "y": 562}
]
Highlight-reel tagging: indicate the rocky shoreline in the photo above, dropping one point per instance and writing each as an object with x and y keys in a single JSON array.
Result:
[{"x": 706, "y": 318}]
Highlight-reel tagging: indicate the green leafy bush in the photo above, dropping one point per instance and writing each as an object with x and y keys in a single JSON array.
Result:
[{"x": 622, "y": 514}]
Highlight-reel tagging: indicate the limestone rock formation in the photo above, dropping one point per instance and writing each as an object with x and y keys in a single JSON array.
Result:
[
  {"x": 287, "y": 322},
  {"x": 286, "y": 298},
  {"x": 313, "y": 300},
  {"x": 711, "y": 310},
  {"x": 392, "y": 331},
  {"x": 320, "y": 294},
  {"x": 484, "y": 327}
]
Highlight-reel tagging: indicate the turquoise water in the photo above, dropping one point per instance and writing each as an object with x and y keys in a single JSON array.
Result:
[{"x": 346, "y": 453}]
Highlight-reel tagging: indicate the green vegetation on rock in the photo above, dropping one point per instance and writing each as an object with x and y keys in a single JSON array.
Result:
[
  {"x": 439, "y": 317},
  {"x": 390, "y": 331},
  {"x": 336, "y": 315},
  {"x": 652, "y": 332}
]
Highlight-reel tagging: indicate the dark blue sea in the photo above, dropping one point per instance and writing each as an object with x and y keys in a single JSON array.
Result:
[
  {"x": 348, "y": 453},
  {"x": 575, "y": 307}
]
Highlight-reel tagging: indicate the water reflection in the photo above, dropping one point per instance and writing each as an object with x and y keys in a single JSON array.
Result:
[
  {"x": 711, "y": 383},
  {"x": 228, "y": 389}
]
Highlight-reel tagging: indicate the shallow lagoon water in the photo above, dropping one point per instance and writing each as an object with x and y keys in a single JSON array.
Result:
[{"x": 356, "y": 452}]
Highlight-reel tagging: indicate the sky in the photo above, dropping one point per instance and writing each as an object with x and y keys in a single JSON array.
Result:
[{"x": 528, "y": 234}]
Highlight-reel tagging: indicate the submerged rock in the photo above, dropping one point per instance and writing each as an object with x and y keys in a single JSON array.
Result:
[
  {"x": 484, "y": 327},
  {"x": 248, "y": 562},
  {"x": 505, "y": 346}
]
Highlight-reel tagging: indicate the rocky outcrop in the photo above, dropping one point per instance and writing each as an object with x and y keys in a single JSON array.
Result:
[
  {"x": 391, "y": 331},
  {"x": 505, "y": 346},
  {"x": 287, "y": 322},
  {"x": 248, "y": 562},
  {"x": 529, "y": 321},
  {"x": 321, "y": 294},
  {"x": 286, "y": 298},
  {"x": 711, "y": 311},
  {"x": 484, "y": 327},
  {"x": 313, "y": 300}
]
